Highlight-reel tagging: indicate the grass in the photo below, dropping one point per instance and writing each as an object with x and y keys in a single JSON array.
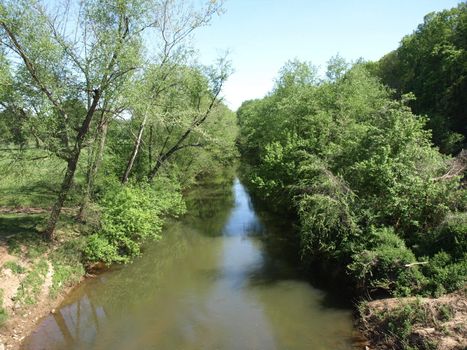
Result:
[
  {"x": 16, "y": 268},
  {"x": 31, "y": 285},
  {"x": 20, "y": 233},
  {"x": 68, "y": 268},
  {"x": 32, "y": 177},
  {"x": 3, "y": 313},
  {"x": 397, "y": 327},
  {"x": 29, "y": 178}
]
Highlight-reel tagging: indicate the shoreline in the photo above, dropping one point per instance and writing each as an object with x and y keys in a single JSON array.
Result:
[
  {"x": 370, "y": 318},
  {"x": 23, "y": 322},
  {"x": 35, "y": 276}
]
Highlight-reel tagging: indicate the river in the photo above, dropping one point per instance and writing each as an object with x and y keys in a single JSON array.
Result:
[{"x": 220, "y": 278}]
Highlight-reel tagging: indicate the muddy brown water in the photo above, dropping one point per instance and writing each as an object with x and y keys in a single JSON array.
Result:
[{"x": 220, "y": 278}]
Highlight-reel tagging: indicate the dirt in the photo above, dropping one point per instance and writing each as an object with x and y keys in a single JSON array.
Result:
[
  {"x": 32, "y": 210},
  {"x": 9, "y": 282},
  {"x": 447, "y": 331},
  {"x": 22, "y": 319}
]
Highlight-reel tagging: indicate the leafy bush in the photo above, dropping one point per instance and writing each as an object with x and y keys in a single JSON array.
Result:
[
  {"x": 324, "y": 204},
  {"x": 444, "y": 274},
  {"x": 450, "y": 237},
  {"x": 99, "y": 249},
  {"x": 359, "y": 170},
  {"x": 397, "y": 325},
  {"x": 130, "y": 215},
  {"x": 384, "y": 264}
]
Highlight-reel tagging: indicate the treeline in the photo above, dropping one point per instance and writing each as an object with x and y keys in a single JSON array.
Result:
[
  {"x": 431, "y": 63},
  {"x": 357, "y": 169},
  {"x": 111, "y": 92}
]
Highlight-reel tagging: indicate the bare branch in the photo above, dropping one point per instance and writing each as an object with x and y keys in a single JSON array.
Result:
[{"x": 458, "y": 166}]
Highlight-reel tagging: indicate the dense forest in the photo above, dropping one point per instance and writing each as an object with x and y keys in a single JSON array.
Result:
[{"x": 107, "y": 118}]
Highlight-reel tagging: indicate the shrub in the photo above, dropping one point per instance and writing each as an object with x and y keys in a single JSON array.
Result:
[
  {"x": 397, "y": 326},
  {"x": 324, "y": 203},
  {"x": 132, "y": 214},
  {"x": 99, "y": 248},
  {"x": 444, "y": 274},
  {"x": 383, "y": 264},
  {"x": 450, "y": 237}
]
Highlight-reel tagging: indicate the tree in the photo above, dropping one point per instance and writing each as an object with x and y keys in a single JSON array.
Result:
[
  {"x": 430, "y": 63},
  {"x": 176, "y": 24},
  {"x": 356, "y": 168},
  {"x": 72, "y": 70}
]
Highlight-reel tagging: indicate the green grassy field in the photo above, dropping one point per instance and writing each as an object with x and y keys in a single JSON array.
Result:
[{"x": 31, "y": 178}]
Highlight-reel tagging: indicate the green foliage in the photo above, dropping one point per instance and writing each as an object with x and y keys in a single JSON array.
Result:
[
  {"x": 358, "y": 170},
  {"x": 3, "y": 313},
  {"x": 399, "y": 325},
  {"x": 14, "y": 267},
  {"x": 130, "y": 215},
  {"x": 30, "y": 178},
  {"x": 99, "y": 249},
  {"x": 324, "y": 205},
  {"x": 445, "y": 274},
  {"x": 384, "y": 264},
  {"x": 67, "y": 264},
  {"x": 31, "y": 285},
  {"x": 431, "y": 63},
  {"x": 450, "y": 236}
]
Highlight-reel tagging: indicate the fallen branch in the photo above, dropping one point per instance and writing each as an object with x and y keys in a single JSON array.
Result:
[
  {"x": 416, "y": 263},
  {"x": 458, "y": 166}
]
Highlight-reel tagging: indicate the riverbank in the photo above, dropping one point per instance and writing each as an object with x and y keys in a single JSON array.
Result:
[
  {"x": 416, "y": 323},
  {"x": 220, "y": 278},
  {"x": 34, "y": 276}
]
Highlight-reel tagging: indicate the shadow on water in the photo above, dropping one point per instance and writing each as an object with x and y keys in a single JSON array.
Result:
[{"x": 223, "y": 277}]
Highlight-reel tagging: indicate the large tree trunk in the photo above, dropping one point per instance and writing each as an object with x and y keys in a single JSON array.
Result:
[
  {"x": 71, "y": 168},
  {"x": 135, "y": 151},
  {"x": 64, "y": 189}
]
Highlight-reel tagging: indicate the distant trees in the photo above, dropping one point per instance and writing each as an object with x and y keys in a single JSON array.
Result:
[{"x": 431, "y": 63}]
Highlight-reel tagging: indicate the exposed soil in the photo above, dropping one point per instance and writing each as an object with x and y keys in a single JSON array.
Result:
[
  {"x": 22, "y": 318},
  {"x": 444, "y": 324},
  {"x": 32, "y": 210}
]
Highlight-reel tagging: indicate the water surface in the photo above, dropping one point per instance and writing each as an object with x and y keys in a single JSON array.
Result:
[{"x": 219, "y": 279}]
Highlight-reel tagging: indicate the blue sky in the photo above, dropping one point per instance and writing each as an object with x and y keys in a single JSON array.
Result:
[{"x": 262, "y": 35}]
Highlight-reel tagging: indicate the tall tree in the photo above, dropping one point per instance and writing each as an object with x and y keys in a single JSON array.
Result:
[
  {"x": 430, "y": 62},
  {"x": 176, "y": 23},
  {"x": 68, "y": 66}
]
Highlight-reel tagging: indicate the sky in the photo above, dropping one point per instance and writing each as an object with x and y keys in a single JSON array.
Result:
[{"x": 262, "y": 35}]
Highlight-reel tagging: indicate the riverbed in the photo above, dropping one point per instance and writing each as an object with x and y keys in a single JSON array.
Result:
[{"x": 222, "y": 277}]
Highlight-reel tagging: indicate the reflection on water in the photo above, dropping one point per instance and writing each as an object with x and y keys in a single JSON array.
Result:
[{"x": 218, "y": 280}]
